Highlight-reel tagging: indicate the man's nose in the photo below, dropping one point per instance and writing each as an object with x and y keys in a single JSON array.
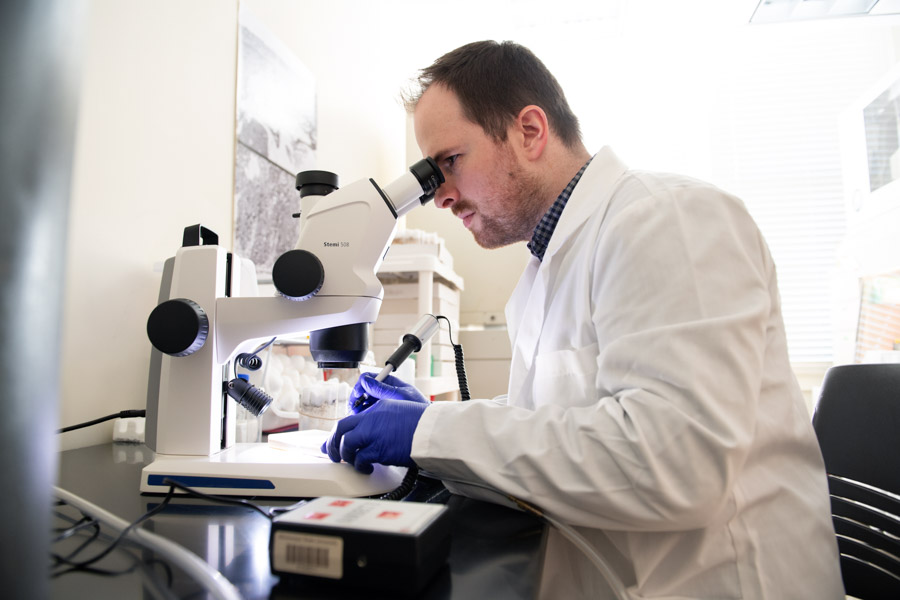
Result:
[{"x": 445, "y": 195}]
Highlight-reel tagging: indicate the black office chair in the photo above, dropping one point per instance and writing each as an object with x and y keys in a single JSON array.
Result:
[{"x": 857, "y": 421}]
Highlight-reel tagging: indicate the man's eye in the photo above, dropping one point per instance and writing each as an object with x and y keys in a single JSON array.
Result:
[{"x": 451, "y": 160}]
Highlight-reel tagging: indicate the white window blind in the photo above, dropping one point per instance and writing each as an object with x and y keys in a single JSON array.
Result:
[
  {"x": 775, "y": 143},
  {"x": 755, "y": 109}
]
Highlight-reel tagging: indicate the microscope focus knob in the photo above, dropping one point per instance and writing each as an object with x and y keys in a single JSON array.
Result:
[
  {"x": 178, "y": 327},
  {"x": 298, "y": 275}
]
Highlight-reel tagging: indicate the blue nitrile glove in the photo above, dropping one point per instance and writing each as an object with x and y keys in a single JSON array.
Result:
[
  {"x": 383, "y": 434},
  {"x": 392, "y": 388}
]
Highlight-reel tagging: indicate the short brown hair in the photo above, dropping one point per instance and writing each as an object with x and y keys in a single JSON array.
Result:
[{"x": 496, "y": 80}]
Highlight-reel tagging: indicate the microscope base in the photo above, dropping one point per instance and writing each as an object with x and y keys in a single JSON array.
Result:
[{"x": 284, "y": 468}]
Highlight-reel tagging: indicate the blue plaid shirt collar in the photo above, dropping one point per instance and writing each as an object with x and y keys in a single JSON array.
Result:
[{"x": 544, "y": 230}]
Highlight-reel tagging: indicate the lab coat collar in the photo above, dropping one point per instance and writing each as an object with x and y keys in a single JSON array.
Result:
[
  {"x": 590, "y": 196},
  {"x": 525, "y": 309}
]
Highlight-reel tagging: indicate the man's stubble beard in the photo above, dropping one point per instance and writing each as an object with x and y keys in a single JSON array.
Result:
[{"x": 523, "y": 203}]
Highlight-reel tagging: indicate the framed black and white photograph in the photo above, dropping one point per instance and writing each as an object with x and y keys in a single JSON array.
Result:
[{"x": 276, "y": 139}]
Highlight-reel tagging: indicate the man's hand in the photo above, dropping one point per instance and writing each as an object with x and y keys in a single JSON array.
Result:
[
  {"x": 371, "y": 390},
  {"x": 382, "y": 434}
]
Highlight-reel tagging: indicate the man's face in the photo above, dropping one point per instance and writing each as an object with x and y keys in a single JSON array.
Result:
[{"x": 486, "y": 185}]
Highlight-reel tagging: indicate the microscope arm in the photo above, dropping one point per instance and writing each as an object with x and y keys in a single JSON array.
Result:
[{"x": 244, "y": 321}]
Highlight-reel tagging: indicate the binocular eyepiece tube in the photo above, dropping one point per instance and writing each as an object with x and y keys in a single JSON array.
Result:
[{"x": 418, "y": 184}]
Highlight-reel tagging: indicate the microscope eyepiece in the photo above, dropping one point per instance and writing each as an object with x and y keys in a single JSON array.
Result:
[
  {"x": 429, "y": 176},
  {"x": 316, "y": 183}
]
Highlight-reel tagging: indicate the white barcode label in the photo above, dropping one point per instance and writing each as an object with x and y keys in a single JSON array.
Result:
[{"x": 308, "y": 554}]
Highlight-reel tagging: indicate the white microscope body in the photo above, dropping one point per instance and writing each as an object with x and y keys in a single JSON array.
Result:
[{"x": 210, "y": 312}]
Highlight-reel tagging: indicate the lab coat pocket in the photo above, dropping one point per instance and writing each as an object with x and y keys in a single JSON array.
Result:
[{"x": 566, "y": 377}]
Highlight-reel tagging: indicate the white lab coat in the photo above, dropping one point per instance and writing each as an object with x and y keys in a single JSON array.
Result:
[{"x": 651, "y": 403}]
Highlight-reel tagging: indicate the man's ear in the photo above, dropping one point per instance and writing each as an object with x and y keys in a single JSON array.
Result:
[{"x": 532, "y": 126}]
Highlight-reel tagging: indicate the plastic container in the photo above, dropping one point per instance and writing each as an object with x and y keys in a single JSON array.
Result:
[{"x": 323, "y": 404}]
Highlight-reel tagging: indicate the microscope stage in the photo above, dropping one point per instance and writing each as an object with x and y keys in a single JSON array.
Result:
[{"x": 289, "y": 466}]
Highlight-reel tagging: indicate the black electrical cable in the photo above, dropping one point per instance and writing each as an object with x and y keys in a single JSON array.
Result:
[
  {"x": 125, "y": 414},
  {"x": 75, "y": 524},
  {"x": 459, "y": 362},
  {"x": 247, "y": 395},
  {"x": 68, "y": 532},
  {"x": 86, "y": 566},
  {"x": 73, "y": 566},
  {"x": 461, "y": 372},
  {"x": 269, "y": 514},
  {"x": 70, "y": 566},
  {"x": 97, "y": 570},
  {"x": 412, "y": 474},
  {"x": 135, "y": 563},
  {"x": 251, "y": 361},
  {"x": 405, "y": 487},
  {"x": 80, "y": 525},
  {"x": 86, "y": 563}
]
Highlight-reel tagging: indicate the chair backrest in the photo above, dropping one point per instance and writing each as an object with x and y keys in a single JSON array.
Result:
[{"x": 857, "y": 421}]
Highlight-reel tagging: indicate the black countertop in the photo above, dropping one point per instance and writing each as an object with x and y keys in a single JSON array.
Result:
[{"x": 495, "y": 551}]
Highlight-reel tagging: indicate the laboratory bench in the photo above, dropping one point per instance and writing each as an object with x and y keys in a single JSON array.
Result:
[{"x": 495, "y": 552}]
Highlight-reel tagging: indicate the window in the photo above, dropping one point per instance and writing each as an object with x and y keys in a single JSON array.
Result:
[
  {"x": 754, "y": 109},
  {"x": 776, "y": 144}
]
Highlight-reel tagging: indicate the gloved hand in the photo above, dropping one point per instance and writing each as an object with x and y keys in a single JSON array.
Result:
[
  {"x": 392, "y": 388},
  {"x": 383, "y": 434}
]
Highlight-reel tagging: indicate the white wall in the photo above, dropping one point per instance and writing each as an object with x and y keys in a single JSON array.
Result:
[
  {"x": 155, "y": 145},
  {"x": 362, "y": 55},
  {"x": 154, "y": 153}
]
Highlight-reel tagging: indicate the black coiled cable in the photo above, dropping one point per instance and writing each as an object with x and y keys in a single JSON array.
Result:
[
  {"x": 251, "y": 361},
  {"x": 460, "y": 363},
  {"x": 241, "y": 390},
  {"x": 405, "y": 487},
  {"x": 461, "y": 371},
  {"x": 409, "y": 480}
]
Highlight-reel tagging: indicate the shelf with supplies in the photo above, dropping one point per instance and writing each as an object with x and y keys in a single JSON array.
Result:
[
  {"x": 403, "y": 260},
  {"x": 418, "y": 280}
]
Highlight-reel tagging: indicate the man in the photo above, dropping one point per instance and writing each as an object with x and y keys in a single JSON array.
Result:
[{"x": 651, "y": 403}]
